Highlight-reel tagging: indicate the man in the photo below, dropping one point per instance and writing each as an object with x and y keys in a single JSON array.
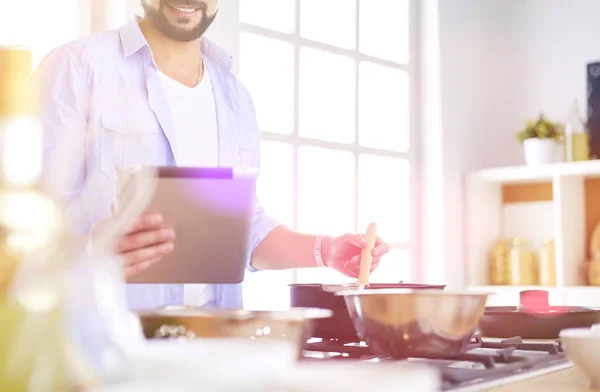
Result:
[{"x": 157, "y": 92}]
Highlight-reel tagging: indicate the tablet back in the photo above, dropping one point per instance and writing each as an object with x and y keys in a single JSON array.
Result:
[{"x": 211, "y": 210}]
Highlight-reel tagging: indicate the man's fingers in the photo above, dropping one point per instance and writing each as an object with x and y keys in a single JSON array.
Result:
[
  {"x": 380, "y": 249},
  {"x": 350, "y": 269},
  {"x": 374, "y": 266},
  {"x": 139, "y": 267},
  {"x": 147, "y": 222},
  {"x": 144, "y": 239},
  {"x": 147, "y": 253},
  {"x": 358, "y": 240}
]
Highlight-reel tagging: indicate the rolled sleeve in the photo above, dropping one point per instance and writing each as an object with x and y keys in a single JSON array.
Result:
[{"x": 262, "y": 226}]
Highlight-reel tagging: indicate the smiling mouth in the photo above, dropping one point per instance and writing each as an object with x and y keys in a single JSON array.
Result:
[{"x": 184, "y": 10}]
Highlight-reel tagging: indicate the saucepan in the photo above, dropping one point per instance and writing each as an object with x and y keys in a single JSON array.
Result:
[
  {"x": 191, "y": 322},
  {"x": 339, "y": 326},
  {"x": 582, "y": 346},
  {"x": 534, "y": 318},
  {"x": 415, "y": 323}
]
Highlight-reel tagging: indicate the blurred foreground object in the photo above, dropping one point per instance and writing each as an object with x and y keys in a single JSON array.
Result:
[{"x": 35, "y": 351}]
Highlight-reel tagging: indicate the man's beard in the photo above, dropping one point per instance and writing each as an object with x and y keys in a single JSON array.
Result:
[{"x": 158, "y": 19}]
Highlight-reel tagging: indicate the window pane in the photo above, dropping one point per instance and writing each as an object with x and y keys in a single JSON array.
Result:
[
  {"x": 267, "y": 290},
  {"x": 271, "y": 83},
  {"x": 384, "y": 120},
  {"x": 275, "y": 183},
  {"x": 57, "y": 21},
  {"x": 277, "y": 15},
  {"x": 383, "y": 196},
  {"x": 327, "y": 96},
  {"x": 384, "y": 29},
  {"x": 330, "y": 22},
  {"x": 325, "y": 191},
  {"x": 394, "y": 267}
]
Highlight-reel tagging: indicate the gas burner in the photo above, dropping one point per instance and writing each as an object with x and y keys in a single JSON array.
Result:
[{"x": 487, "y": 362}]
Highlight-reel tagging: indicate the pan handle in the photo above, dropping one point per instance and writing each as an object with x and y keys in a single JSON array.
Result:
[
  {"x": 173, "y": 332},
  {"x": 533, "y": 300}
]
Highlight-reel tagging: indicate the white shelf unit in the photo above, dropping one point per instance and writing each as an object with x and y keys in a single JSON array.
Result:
[{"x": 485, "y": 224}]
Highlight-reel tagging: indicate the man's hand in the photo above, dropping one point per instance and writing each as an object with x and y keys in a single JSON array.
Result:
[
  {"x": 343, "y": 253},
  {"x": 145, "y": 244}
]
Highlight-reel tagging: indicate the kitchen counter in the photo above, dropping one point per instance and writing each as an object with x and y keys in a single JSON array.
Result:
[{"x": 568, "y": 380}]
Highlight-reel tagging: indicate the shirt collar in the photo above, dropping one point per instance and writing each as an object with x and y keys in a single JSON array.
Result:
[{"x": 132, "y": 40}]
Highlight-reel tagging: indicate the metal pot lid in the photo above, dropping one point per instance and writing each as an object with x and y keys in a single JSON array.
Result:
[{"x": 550, "y": 310}]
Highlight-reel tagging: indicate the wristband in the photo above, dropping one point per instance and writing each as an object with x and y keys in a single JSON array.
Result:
[{"x": 317, "y": 251}]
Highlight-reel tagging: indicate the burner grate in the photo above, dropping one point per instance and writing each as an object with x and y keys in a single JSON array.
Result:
[
  {"x": 516, "y": 343},
  {"x": 485, "y": 361}
]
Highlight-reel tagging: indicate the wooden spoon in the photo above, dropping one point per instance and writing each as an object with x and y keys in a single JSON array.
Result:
[{"x": 366, "y": 257}]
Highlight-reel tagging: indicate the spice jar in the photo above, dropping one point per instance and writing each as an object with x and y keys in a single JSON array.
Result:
[
  {"x": 498, "y": 263},
  {"x": 521, "y": 263},
  {"x": 594, "y": 270},
  {"x": 546, "y": 266}
]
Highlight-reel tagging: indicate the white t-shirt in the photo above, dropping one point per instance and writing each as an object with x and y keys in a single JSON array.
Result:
[{"x": 195, "y": 120}]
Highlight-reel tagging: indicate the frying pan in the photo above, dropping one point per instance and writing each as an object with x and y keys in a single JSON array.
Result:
[
  {"x": 340, "y": 325},
  {"x": 534, "y": 318}
]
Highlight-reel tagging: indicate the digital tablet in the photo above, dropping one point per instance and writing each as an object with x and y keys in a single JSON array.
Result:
[{"x": 211, "y": 210}]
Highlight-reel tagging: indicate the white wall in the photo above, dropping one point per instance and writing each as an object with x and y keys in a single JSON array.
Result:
[
  {"x": 561, "y": 38},
  {"x": 504, "y": 61},
  {"x": 456, "y": 134},
  {"x": 500, "y": 63},
  {"x": 225, "y": 30}
]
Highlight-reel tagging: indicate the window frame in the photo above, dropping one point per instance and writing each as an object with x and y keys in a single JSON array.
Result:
[{"x": 295, "y": 140}]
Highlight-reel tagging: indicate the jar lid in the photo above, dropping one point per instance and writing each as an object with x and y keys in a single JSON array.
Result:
[{"x": 520, "y": 241}]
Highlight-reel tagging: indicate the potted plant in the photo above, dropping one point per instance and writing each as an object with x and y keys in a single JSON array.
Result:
[{"x": 539, "y": 140}]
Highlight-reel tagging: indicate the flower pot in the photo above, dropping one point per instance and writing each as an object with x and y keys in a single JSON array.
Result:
[{"x": 539, "y": 151}]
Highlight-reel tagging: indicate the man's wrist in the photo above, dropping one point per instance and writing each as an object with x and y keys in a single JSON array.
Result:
[{"x": 322, "y": 251}]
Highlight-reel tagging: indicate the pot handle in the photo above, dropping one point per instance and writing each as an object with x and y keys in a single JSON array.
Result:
[
  {"x": 533, "y": 299},
  {"x": 178, "y": 332}
]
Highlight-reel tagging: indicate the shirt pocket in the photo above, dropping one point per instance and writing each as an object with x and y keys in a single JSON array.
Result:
[
  {"x": 248, "y": 156},
  {"x": 249, "y": 152},
  {"x": 124, "y": 141}
]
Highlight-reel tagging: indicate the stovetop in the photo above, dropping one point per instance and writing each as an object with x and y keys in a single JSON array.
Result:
[{"x": 487, "y": 363}]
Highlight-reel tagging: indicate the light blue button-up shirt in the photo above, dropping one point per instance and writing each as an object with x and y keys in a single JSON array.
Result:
[{"x": 104, "y": 106}]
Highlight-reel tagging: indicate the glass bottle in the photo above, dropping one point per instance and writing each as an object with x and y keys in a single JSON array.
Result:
[
  {"x": 546, "y": 266},
  {"x": 521, "y": 263},
  {"x": 576, "y": 136},
  {"x": 498, "y": 263}
]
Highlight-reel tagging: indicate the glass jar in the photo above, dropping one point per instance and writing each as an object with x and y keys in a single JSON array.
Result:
[
  {"x": 594, "y": 270},
  {"x": 498, "y": 267},
  {"x": 521, "y": 263},
  {"x": 546, "y": 266}
]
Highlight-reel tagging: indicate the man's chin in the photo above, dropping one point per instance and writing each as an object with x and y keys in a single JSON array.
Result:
[{"x": 173, "y": 28}]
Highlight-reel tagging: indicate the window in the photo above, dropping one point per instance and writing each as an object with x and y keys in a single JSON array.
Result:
[
  {"x": 334, "y": 108},
  {"x": 51, "y": 23}
]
